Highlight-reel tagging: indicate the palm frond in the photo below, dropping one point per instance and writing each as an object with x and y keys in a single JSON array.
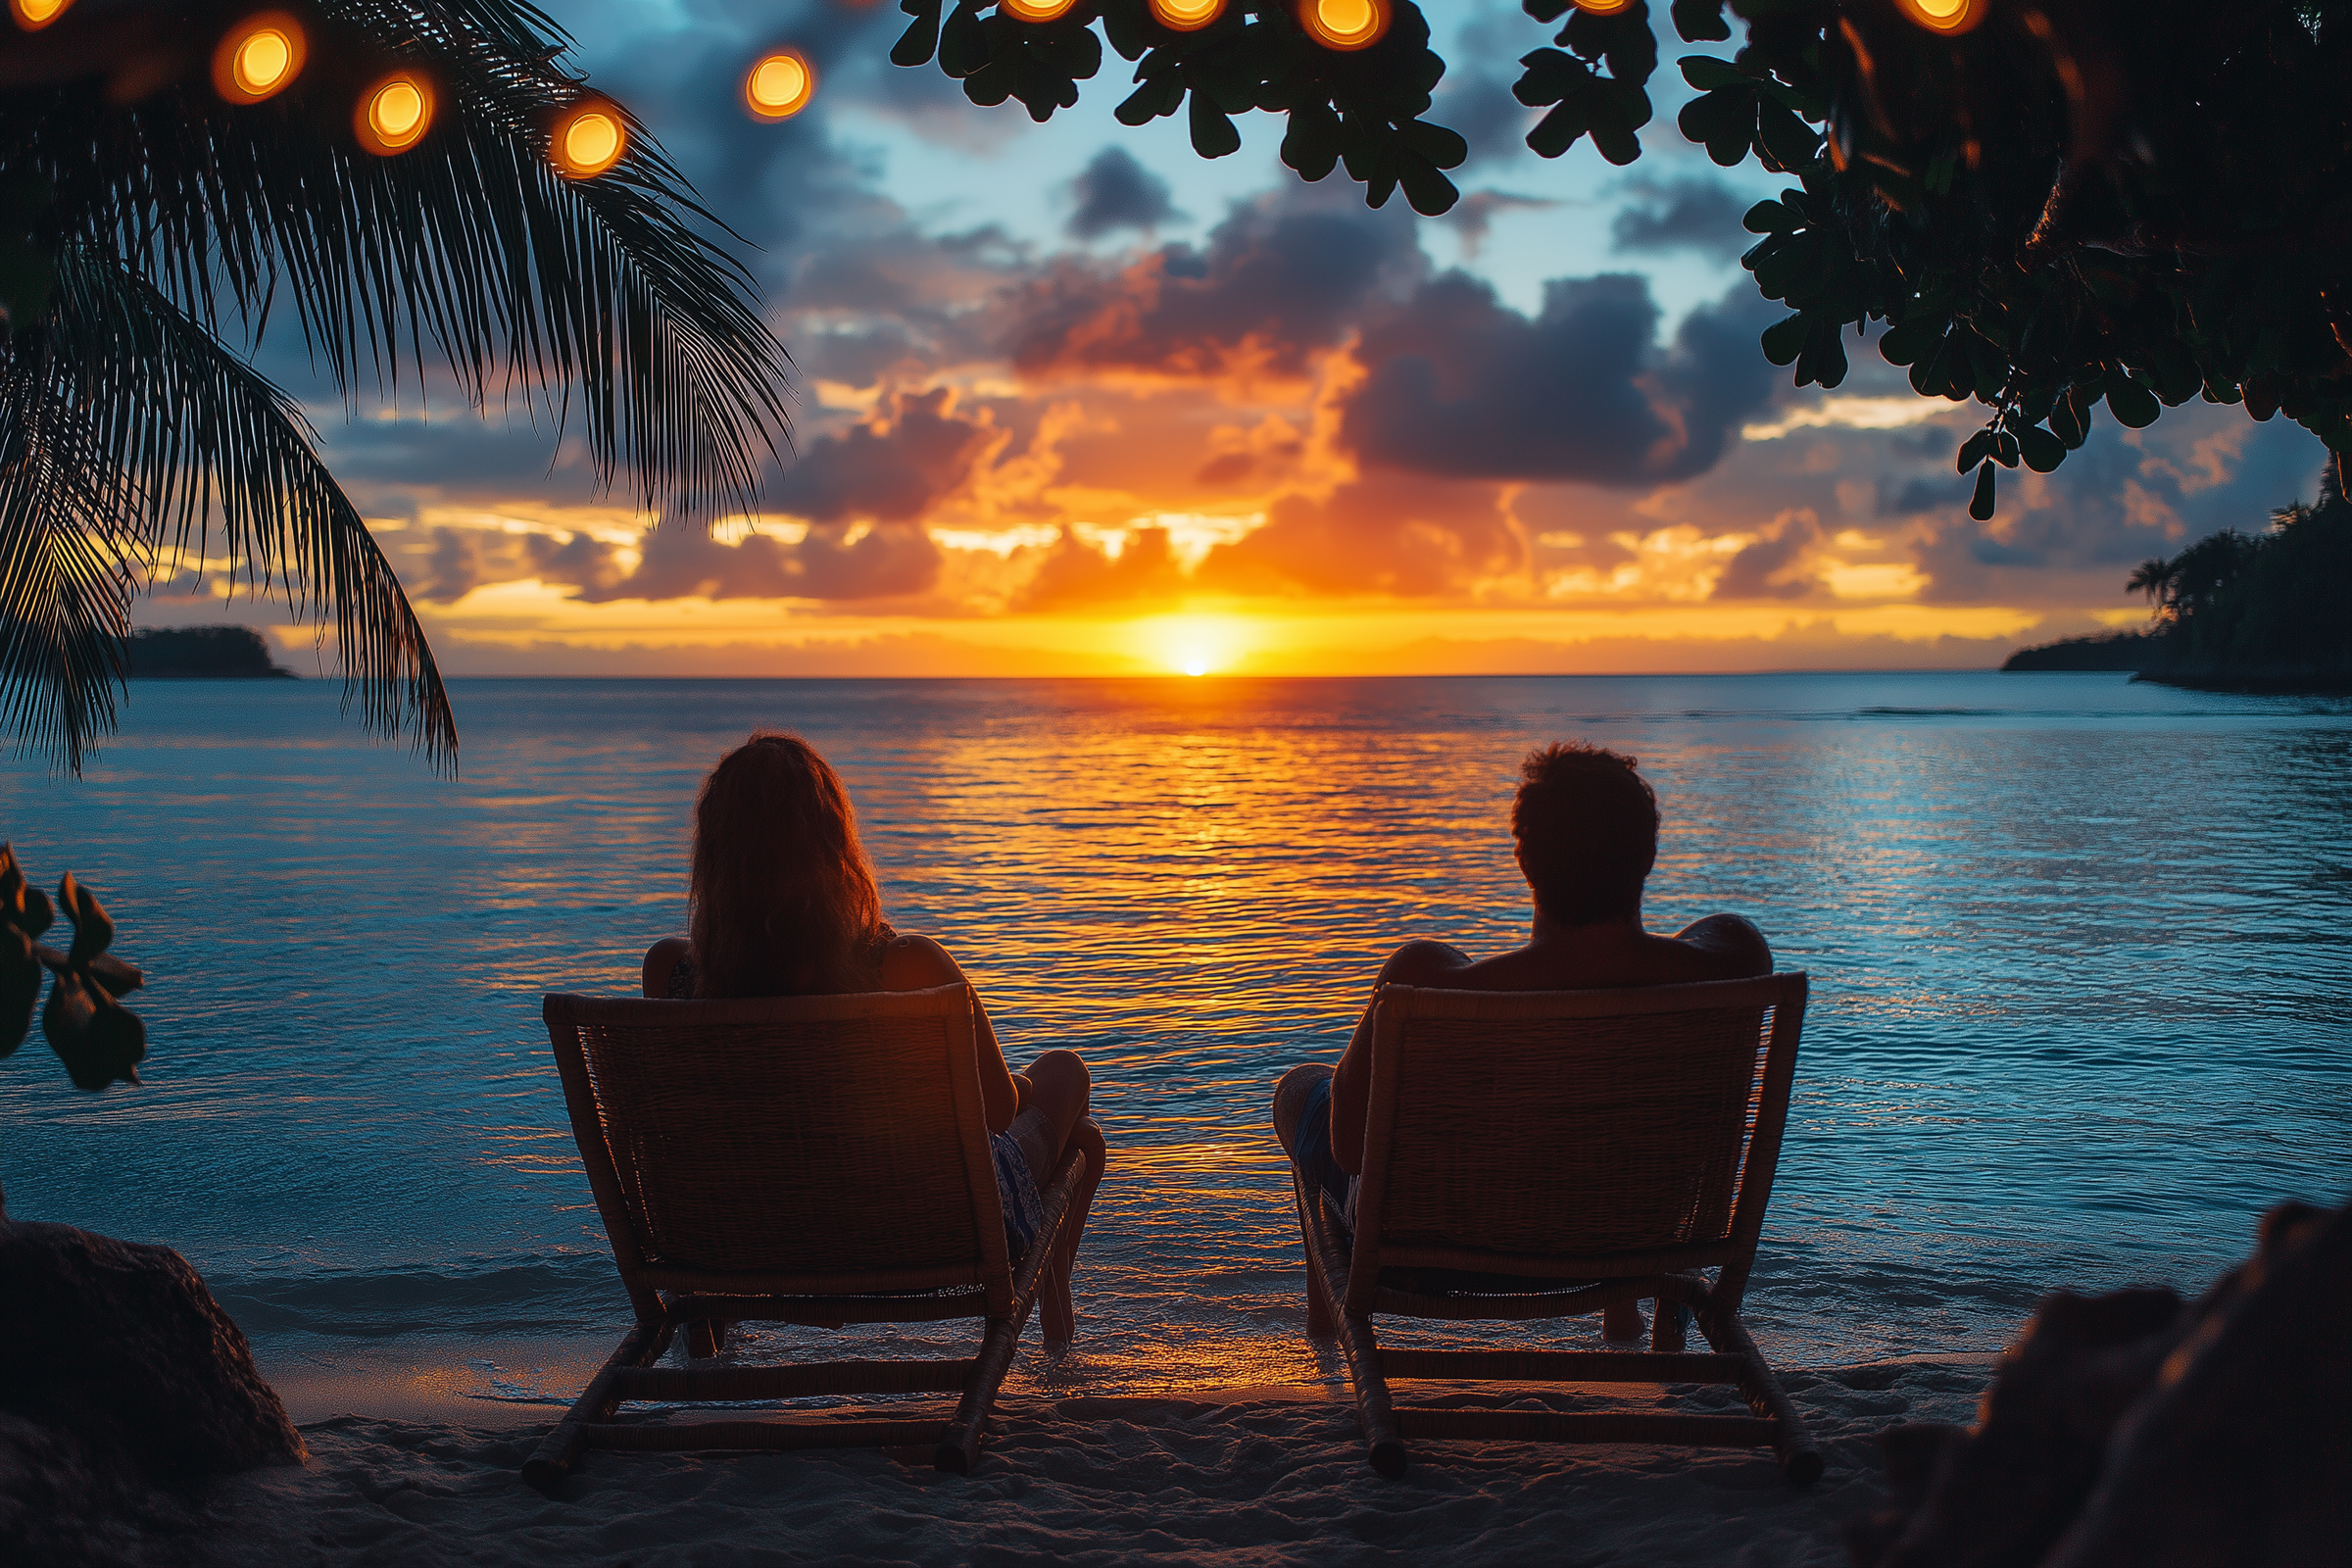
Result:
[
  {"x": 605, "y": 298},
  {"x": 65, "y": 578},
  {"x": 184, "y": 438}
]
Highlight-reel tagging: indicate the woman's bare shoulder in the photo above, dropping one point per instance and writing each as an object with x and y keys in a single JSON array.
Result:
[{"x": 911, "y": 961}]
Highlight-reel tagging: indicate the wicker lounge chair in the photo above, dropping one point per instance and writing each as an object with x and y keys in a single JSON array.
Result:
[
  {"x": 803, "y": 1160},
  {"x": 1540, "y": 1154}
]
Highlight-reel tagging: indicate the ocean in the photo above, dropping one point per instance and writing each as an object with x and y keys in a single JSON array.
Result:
[{"x": 2081, "y": 954}]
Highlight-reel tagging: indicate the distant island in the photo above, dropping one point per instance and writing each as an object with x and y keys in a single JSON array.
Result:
[
  {"x": 2238, "y": 612},
  {"x": 233, "y": 653}
]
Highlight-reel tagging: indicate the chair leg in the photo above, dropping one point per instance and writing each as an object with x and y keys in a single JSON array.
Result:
[
  {"x": 1666, "y": 1330},
  {"x": 1801, "y": 1457},
  {"x": 959, "y": 1449},
  {"x": 554, "y": 1459},
  {"x": 704, "y": 1337},
  {"x": 1321, "y": 1322},
  {"x": 1384, "y": 1445}
]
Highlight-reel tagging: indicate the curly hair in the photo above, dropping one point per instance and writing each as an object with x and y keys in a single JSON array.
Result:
[
  {"x": 1588, "y": 830},
  {"x": 784, "y": 901}
]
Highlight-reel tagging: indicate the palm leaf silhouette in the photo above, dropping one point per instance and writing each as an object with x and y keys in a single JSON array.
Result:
[{"x": 174, "y": 219}]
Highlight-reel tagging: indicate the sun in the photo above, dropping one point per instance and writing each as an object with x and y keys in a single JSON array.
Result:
[{"x": 1193, "y": 645}]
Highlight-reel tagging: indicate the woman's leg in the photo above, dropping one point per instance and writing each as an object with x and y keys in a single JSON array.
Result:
[{"x": 1052, "y": 1121}]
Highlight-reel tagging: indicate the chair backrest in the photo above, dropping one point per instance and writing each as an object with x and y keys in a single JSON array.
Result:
[
  {"x": 788, "y": 1144},
  {"x": 1575, "y": 1134}
]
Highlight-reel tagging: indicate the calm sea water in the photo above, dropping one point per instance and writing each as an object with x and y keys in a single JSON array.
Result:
[{"x": 2080, "y": 954}]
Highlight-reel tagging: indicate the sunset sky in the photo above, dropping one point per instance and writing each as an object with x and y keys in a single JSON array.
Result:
[{"x": 1073, "y": 401}]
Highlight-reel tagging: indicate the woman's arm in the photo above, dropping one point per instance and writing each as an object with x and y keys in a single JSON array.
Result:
[
  {"x": 1414, "y": 964},
  {"x": 917, "y": 963}
]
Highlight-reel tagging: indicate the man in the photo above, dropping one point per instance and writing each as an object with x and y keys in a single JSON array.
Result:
[{"x": 1586, "y": 825}]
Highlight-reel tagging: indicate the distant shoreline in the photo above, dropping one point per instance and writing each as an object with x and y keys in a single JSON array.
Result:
[{"x": 201, "y": 652}]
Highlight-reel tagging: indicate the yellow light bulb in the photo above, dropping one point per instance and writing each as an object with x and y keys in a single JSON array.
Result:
[
  {"x": 34, "y": 15},
  {"x": 1186, "y": 15},
  {"x": 1949, "y": 16},
  {"x": 258, "y": 58},
  {"x": 592, "y": 141},
  {"x": 588, "y": 138},
  {"x": 1036, "y": 10},
  {"x": 780, "y": 86},
  {"x": 1345, "y": 25},
  {"x": 394, "y": 113},
  {"x": 1602, "y": 8}
]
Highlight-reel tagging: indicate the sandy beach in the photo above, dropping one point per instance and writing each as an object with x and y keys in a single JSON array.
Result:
[{"x": 1260, "y": 1475}]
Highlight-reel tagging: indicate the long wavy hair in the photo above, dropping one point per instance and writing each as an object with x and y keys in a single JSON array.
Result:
[{"x": 784, "y": 901}]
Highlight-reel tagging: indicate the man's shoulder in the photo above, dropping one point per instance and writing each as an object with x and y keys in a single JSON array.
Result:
[{"x": 1423, "y": 961}]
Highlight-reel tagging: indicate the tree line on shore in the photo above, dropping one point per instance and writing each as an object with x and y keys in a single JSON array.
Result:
[{"x": 2254, "y": 612}]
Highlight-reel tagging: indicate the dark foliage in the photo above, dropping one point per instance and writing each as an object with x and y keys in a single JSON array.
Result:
[
  {"x": 2127, "y": 202},
  {"x": 2261, "y": 609},
  {"x": 2106, "y": 651},
  {"x": 217, "y": 651},
  {"x": 97, "y": 1038}
]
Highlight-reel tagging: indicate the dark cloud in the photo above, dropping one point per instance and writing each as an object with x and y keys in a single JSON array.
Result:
[
  {"x": 1693, "y": 212},
  {"x": 1273, "y": 284},
  {"x": 1393, "y": 535},
  {"x": 1227, "y": 469},
  {"x": 1461, "y": 385},
  {"x": 837, "y": 562},
  {"x": 1075, "y": 575},
  {"x": 1116, "y": 192},
  {"x": 458, "y": 560},
  {"x": 892, "y": 468},
  {"x": 1778, "y": 564}
]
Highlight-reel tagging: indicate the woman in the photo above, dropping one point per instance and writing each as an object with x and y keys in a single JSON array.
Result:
[{"x": 783, "y": 903}]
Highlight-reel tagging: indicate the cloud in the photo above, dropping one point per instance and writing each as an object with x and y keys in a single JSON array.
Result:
[
  {"x": 1461, "y": 385},
  {"x": 1692, "y": 213},
  {"x": 461, "y": 559},
  {"x": 1474, "y": 213},
  {"x": 1075, "y": 575},
  {"x": 1273, "y": 285},
  {"x": 1402, "y": 535},
  {"x": 837, "y": 562},
  {"x": 892, "y": 468},
  {"x": 1116, "y": 192},
  {"x": 1779, "y": 564}
]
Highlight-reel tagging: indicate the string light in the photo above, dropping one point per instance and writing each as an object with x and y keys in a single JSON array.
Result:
[
  {"x": 1345, "y": 25},
  {"x": 1189, "y": 16},
  {"x": 780, "y": 86},
  {"x": 258, "y": 58},
  {"x": 394, "y": 115},
  {"x": 589, "y": 138},
  {"x": 1036, "y": 10},
  {"x": 1950, "y": 18},
  {"x": 34, "y": 15}
]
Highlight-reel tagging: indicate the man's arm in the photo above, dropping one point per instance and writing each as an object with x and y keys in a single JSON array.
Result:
[
  {"x": 1422, "y": 962},
  {"x": 1733, "y": 943}
]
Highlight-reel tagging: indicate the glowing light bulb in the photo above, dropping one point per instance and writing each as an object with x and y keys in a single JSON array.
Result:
[
  {"x": 588, "y": 140},
  {"x": 1949, "y": 16},
  {"x": 258, "y": 58},
  {"x": 780, "y": 86},
  {"x": 1345, "y": 25},
  {"x": 1191, "y": 16},
  {"x": 1036, "y": 10},
  {"x": 1602, "y": 8},
  {"x": 395, "y": 113},
  {"x": 34, "y": 15}
]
